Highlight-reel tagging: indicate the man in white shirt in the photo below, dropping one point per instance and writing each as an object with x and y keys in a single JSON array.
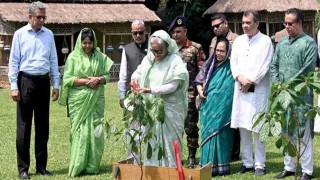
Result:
[
  {"x": 132, "y": 55},
  {"x": 250, "y": 59}
]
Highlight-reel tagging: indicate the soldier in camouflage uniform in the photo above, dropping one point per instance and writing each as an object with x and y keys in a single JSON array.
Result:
[{"x": 193, "y": 55}]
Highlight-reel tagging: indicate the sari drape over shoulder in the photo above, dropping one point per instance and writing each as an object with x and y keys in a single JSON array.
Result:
[
  {"x": 153, "y": 73},
  {"x": 215, "y": 115},
  {"x": 86, "y": 108}
]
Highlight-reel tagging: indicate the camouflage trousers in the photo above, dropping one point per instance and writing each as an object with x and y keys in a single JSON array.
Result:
[{"x": 190, "y": 125}]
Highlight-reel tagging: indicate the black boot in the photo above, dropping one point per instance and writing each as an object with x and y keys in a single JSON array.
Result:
[{"x": 192, "y": 157}]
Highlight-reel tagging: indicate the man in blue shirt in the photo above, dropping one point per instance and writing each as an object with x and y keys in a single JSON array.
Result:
[{"x": 33, "y": 57}]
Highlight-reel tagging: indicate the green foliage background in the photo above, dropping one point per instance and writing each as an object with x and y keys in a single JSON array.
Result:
[{"x": 198, "y": 26}]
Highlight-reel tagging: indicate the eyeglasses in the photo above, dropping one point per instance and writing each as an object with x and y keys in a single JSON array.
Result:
[
  {"x": 135, "y": 33},
  {"x": 40, "y": 17},
  {"x": 217, "y": 25},
  {"x": 288, "y": 23},
  {"x": 156, "y": 51}
]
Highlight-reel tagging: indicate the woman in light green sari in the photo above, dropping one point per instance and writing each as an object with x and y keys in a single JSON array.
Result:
[
  {"x": 85, "y": 74},
  {"x": 163, "y": 74}
]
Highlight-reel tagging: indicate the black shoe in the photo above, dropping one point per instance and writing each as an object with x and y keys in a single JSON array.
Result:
[
  {"x": 44, "y": 172},
  {"x": 284, "y": 174},
  {"x": 191, "y": 162},
  {"x": 192, "y": 157},
  {"x": 24, "y": 175},
  {"x": 244, "y": 169},
  {"x": 305, "y": 176},
  {"x": 259, "y": 172}
]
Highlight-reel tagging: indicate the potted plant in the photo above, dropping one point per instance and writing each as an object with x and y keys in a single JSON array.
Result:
[{"x": 146, "y": 113}]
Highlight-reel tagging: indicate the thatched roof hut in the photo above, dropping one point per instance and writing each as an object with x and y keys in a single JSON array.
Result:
[
  {"x": 70, "y": 13},
  {"x": 271, "y": 13},
  {"x": 236, "y": 6},
  {"x": 111, "y": 20}
]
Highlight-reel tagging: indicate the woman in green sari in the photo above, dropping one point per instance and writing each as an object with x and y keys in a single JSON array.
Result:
[
  {"x": 163, "y": 74},
  {"x": 215, "y": 85},
  {"x": 85, "y": 74}
]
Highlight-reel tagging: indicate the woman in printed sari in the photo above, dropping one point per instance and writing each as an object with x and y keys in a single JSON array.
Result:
[
  {"x": 85, "y": 74},
  {"x": 215, "y": 86},
  {"x": 163, "y": 74}
]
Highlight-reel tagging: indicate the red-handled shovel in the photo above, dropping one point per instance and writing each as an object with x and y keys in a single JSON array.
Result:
[{"x": 178, "y": 160}]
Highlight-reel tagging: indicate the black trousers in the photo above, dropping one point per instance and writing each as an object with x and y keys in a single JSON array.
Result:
[
  {"x": 236, "y": 145},
  {"x": 34, "y": 101}
]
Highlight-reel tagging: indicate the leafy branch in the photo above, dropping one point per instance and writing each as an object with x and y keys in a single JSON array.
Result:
[
  {"x": 287, "y": 112},
  {"x": 143, "y": 112}
]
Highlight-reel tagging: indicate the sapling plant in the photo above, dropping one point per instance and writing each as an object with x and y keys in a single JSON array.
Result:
[
  {"x": 290, "y": 106},
  {"x": 144, "y": 111}
]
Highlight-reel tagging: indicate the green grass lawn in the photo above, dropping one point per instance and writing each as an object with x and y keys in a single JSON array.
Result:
[{"x": 59, "y": 146}]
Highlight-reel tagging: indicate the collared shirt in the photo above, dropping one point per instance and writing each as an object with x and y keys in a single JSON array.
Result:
[
  {"x": 33, "y": 53},
  {"x": 293, "y": 57}
]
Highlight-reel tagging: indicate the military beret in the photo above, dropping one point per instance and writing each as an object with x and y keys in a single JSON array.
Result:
[{"x": 179, "y": 21}]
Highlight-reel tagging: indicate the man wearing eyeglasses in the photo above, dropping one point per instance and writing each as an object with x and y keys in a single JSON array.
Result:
[
  {"x": 296, "y": 55},
  {"x": 33, "y": 57},
  {"x": 220, "y": 27},
  {"x": 132, "y": 55},
  {"x": 193, "y": 55}
]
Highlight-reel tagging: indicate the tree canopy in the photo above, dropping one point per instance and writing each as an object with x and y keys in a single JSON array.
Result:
[{"x": 198, "y": 27}]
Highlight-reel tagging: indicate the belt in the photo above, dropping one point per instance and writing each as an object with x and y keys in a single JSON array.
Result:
[{"x": 31, "y": 76}]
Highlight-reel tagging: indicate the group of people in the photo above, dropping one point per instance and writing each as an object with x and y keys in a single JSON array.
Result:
[
  {"x": 175, "y": 47},
  {"x": 253, "y": 66},
  {"x": 247, "y": 77},
  {"x": 225, "y": 91}
]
